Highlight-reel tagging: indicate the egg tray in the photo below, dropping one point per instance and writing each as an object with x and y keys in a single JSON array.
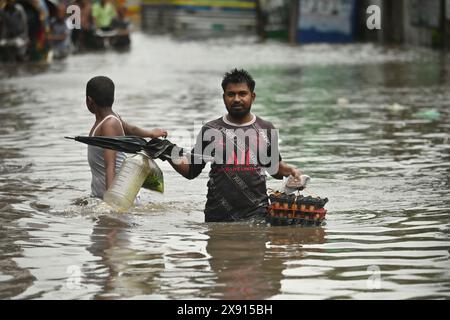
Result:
[{"x": 293, "y": 209}]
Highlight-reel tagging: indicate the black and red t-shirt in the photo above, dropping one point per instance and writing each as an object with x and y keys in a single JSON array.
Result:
[{"x": 240, "y": 155}]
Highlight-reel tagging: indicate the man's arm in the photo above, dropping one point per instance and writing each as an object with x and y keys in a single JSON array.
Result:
[
  {"x": 191, "y": 167},
  {"x": 110, "y": 167},
  {"x": 132, "y": 130},
  {"x": 111, "y": 128},
  {"x": 182, "y": 166},
  {"x": 285, "y": 170},
  {"x": 188, "y": 168}
]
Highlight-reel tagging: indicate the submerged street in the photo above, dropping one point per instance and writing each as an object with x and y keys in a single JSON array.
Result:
[{"x": 369, "y": 124}]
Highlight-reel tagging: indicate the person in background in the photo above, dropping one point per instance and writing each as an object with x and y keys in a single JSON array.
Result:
[
  {"x": 123, "y": 27},
  {"x": 59, "y": 36},
  {"x": 103, "y": 13},
  {"x": 83, "y": 38},
  {"x": 13, "y": 31},
  {"x": 38, "y": 30}
]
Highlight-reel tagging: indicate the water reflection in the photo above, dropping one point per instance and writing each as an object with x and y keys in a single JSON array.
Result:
[
  {"x": 248, "y": 262},
  {"x": 14, "y": 279},
  {"x": 15, "y": 188},
  {"x": 228, "y": 261},
  {"x": 121, "y": 271}
]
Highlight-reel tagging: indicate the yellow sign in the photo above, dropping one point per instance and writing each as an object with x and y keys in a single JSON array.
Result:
[{"x": 205, "y": 3}]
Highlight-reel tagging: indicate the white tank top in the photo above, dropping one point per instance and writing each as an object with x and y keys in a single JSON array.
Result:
[{"x": 96, "y": 162}]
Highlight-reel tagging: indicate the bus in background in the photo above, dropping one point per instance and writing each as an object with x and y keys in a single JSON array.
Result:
[{"x": 199, "y": 18}]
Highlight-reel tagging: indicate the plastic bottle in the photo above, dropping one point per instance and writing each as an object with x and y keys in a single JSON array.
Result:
[{"x": 128, "y": 182}]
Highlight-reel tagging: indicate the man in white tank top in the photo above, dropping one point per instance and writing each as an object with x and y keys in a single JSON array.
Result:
[{"x": 105, "y": 163}]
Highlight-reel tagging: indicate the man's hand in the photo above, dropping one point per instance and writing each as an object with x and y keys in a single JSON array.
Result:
[
  {"x": 296, "y": 173},
  {"x": 285, "y": 170},
  {"x": 132, "y": 130},
  {"x": 296, "y": 181},
  {"x": 156, "y": 133}
]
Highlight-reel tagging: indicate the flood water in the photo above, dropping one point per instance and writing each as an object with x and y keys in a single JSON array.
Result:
[{"x": 369, "y": 124}]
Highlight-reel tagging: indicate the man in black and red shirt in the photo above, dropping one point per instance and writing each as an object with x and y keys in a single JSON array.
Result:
[{"x": 241, "y": 148}]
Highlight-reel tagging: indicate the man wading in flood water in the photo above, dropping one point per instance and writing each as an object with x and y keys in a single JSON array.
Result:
[{"x": 243, "y": 147}]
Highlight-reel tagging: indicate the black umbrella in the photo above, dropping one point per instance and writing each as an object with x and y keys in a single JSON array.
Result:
[
  {"x": 155, "y": 148},
  {"x": 162, "y": 149},
  {"x": 128, "y": 144}
]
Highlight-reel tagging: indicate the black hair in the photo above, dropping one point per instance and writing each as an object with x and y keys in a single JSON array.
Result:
[
  {"x": 101, "y": 90},
  {"x": 238, "y": 76}
]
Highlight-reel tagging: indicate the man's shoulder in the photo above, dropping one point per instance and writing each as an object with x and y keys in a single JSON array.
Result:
[
  {"x": 111, "y": 126},
  {"x": 220, "y": 123},
  {"x": 264, "y": 123},
  {"x": 216, "y": 123}
]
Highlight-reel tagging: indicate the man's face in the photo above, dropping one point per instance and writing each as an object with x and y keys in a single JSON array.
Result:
[{"x": 238, "y": 99}]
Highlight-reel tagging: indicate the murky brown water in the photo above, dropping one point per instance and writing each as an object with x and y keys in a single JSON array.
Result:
[{"x": 370, "y": 125}]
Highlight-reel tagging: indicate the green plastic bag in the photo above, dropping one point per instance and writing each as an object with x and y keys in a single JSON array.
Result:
[{"x": 155, "y": 179}]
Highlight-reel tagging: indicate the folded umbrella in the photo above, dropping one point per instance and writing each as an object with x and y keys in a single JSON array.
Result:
[
  {"x": 127, "y": 144},
  {"x": 162, "y": 149},
  {"x": 155, "y": 148}
]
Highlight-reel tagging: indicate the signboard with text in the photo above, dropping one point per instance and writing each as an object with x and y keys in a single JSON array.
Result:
[{"x": 326, "y": 21}]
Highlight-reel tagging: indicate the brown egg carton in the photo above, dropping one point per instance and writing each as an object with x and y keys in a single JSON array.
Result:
[{"x": 291, "y": 209}]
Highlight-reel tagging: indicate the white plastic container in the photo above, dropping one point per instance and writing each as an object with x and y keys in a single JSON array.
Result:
[{"x": 128, "y": 182}]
